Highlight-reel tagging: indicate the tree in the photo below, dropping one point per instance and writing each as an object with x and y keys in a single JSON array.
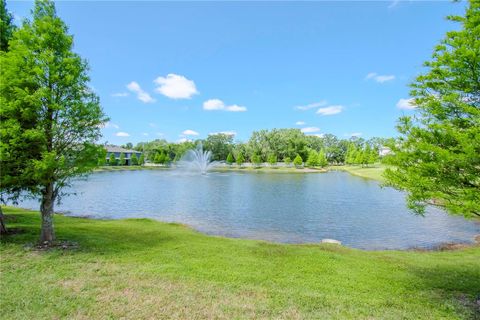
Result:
[
  {"x": 230, "y": 158},
  {"x": 240, "y": 159},
  {"x": 121, "y": 159},
  {"x": 10, "y": 190},
  {"x": 322, "y": 159},
  {"x": 437, "y": 156},
  {"x": 298, "y": 161},
  {"x": 256, "y": 160},
  {"x": 312, "y": 160},
  {"x": 219, "y": 144},
  {"x": 287, "y": 161},
  {"x": 6, "y": 26},
  {"x": 141, "y": 160},
  {"x": 48, "y": 101},
  {"x": 102, "y": 157},
  {"x": 112, "y": 161},
  {"x": 272, "y": 159},
  {"x": 133, "y": 160}
]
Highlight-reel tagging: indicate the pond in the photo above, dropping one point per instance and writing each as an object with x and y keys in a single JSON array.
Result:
[{"x": 281, "y": 207}]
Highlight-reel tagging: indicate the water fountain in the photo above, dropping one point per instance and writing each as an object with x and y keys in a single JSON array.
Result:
[{"x": 197, "y": 160}]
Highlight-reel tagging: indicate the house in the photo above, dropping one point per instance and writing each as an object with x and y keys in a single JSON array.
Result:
[
  {"x": 383, "y": 151},
  {"x": 116, "y": 151}
]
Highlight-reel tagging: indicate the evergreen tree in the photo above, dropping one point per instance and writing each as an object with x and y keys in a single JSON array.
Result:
[
  {"x": 48, "y": 106},
  {"x": 312, "y": 160},
  {"x": 322, "y": 159},
  {"x": 141, "y": 160},
  {"x": 230, "y": 158},
  {"x": 6, "y": 26},
  {"x": 437, "y": 156},
  {"x": 240, "y": 159},
  {"x": 298, "y": 161},
  {"x": 121, "y": 160},
  {"x": 112, "y": 161},
  {"x": 133, "y": 160},
  {"x": 272, "y": 159},
  {"x": 287, "y": 161}
]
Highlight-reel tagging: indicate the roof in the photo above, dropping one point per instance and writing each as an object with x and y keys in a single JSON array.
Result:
[{"x": 111, "y": 148}]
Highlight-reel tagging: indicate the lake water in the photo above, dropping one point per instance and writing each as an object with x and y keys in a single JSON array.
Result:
[{"x": 281, "y": 207}]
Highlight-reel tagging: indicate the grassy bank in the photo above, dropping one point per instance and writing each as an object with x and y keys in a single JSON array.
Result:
[
  {"x": 128, "y": 168},
  {"x": 147, "y": 269},
  {"x": 374, "y": 172}
]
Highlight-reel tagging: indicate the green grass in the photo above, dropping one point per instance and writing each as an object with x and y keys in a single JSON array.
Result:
[
  {"x": 138, "y": 269},
  {"x": 128, "y": 168},
  {"x": 373, "y": 172}
]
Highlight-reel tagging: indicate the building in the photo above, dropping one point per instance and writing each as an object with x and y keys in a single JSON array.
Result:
[
  {"x": 116, "y": 151},
  {"x": 383, "y": 151}
]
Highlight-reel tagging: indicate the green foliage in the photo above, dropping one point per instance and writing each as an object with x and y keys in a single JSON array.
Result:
[
  {"x": 256, "y": 160},
  {"x": 230, "y": 159},
  {"x": 133, "y": 160},
  {"x": 287, "y": 161},
  {"x": 205, "y": 277},
  {"x": 437, "y": 156},
  {"x": 240, "y": 159},
  {"x": 6, "y": 26},
  {"x": 322, "y": 159},
  {"x": 50, "y": 119},
  {"x": 112, "y": 161},
  {"x": 272, "y": 159},
  {"x": 312, "y": 160},
  {"x": 298, "y": 161},
  {"x": 121, "y": 159},
  {"x": 102, "y": 157},
  {"x": 219, "y": 144},
  {"x": 141, "y": 160}
]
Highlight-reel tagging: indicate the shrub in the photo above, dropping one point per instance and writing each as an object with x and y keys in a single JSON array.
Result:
[
  {"x": 298, "y": 161},
  {"x": 230, "y": 158},
  {"x": 134, "y": 160},
  {"x": 287, "y": 161},
  {"x": 141, "y": 160},
  {"x": 122, "y": 160},
  {"x": 112, "y": 161},
  {"x": 240, "y": 159},
  {"x": 272, "y": 159},
  {"x": 256, "y": 160}
]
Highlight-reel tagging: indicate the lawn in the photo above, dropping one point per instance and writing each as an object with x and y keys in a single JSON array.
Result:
[
  {"x": 137, "y": 269},
  {"x": 372, "y": 172}
]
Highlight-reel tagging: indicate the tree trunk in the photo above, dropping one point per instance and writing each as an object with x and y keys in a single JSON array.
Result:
[
  {"x": 47, "y": 235},
  {"x": 3, "y": 229}
]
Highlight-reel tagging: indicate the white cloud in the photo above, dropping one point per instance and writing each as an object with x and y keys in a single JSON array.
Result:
[
  {"x": 311, "y": 105},
  {"x": 190, "y": 133},
  {"x": 108, "y": 125},
  {"x": 181, "y": 140},
  {"x": 379, "y": 78},
  {"x": 175, "y": 86},
  {"x": 330, "y": 110},
  {"x": 141, "y": 95},
  {"x": 300, "y": 123},
  {"x": 120, "y": 94},
  {"x": 217, "y": 104},
  {"x": 122, "y": 134},
  {"x": 406, "y": 104},
  {"x": 310, "y": 129},
  {"x": 228, "y": 133},
  {"x": 145, "y": 134},
  {"x": 213, "y": 104}
]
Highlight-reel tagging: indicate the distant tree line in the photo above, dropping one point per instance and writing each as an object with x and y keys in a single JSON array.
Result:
[{"x": 290, "y": 146}]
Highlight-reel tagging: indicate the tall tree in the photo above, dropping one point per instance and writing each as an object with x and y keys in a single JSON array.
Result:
[
  {"x": 47, "y": 105},
  {"x": 6, "y": 192},
  {"x": 6, "y": 26},
  {"x": 437, "y": 156}
]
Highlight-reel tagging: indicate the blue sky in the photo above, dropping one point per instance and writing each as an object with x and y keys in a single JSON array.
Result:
[{"x": 182, "y": 70}]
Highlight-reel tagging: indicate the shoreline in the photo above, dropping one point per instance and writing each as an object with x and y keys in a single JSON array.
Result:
[{"x": 443, "y": 246}]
